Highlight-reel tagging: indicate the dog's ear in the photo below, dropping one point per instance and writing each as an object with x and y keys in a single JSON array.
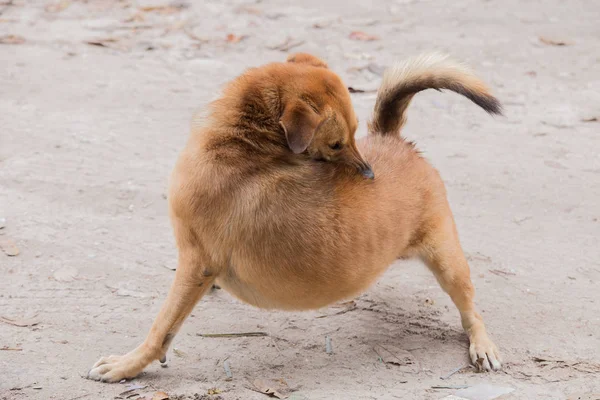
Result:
[
  {"x": 305, "y": 58},
  {"x": 299, "y": 122}
]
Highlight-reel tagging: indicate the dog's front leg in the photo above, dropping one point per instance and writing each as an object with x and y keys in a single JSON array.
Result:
[{"x": 191, "y": 282}]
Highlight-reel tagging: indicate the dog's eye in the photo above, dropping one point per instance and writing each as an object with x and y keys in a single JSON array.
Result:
[{"x": 336, "y": 146}]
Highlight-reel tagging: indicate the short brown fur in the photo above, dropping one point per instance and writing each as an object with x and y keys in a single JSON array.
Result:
[{"x": 279, "y": 226}]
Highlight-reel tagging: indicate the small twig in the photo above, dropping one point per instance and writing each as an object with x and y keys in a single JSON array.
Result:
[
  {"x": 119, "y": 27},
  {"x": 233, "y": 335},
  {"x": 393, "y": 355},
  {"x": 328, "y": 348},
  {"x": 380, "y": 358},
  {"x": 21, "y": 322},
  {"x": 227, "y": 369},
  {"x": 187, "y": 30},
  {"x": 351, "y": 308},
  {"x": 501, "y": 273},
  {"x": 288, "y": 44},
  {"x": 450, "y": 387},
  {"x": 275, "y": 345},
  {"x": 454, "y": 371}
]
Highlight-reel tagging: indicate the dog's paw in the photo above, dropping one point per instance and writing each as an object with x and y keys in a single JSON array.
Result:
[
  {"x": 484, "y": 354},
  {"x": 116, "y": 368}
]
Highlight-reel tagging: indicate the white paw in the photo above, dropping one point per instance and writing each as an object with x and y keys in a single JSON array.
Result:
[
  {"x": 484, "y": 355},
  {"x": 115, "y": 368}
]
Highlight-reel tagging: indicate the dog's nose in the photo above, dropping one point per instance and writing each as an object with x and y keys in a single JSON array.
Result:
[{"x": 367, "y": 172}]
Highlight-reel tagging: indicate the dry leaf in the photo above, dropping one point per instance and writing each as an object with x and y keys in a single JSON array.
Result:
[
  {"x": 12, "y": 39},
  {"x": 358, "y": 56},
  {"x": 137, "y": 17},
  {"x": 57, "y": 7},
  {"x": 178, "y": 352},
  {"x": 160, "y": 396},
  {"x": 9, "y": 247},
  {"x": 177, "y": 26},
  {"x": 231, "y": 38},
  {"x": 65, "y": 274},
  {"x": 373, "y": 68},
  {"x": 212, "y": 391},
  {"x": 396, "y": 356},
  {"x": 269, "y": 388},
  {"x": 22, "y": 322},
  {"x": 356, "y": 69},
  {"x": 248, "y": 10},
  {"x": 552, "y": 42},
  {"x": 131, "y": 388},
  {"x": 162, "y": 9},
  {"x": 362, "y": 36}
]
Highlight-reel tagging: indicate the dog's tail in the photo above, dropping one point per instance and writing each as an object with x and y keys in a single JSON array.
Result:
[{"x": 429, "y": 71}]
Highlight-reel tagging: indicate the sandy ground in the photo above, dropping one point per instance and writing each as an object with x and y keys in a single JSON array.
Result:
[{"x": 95, "y": 100}]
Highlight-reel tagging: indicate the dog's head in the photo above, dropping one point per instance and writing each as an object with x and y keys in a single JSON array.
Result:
[{"x": 318, "y": 116}]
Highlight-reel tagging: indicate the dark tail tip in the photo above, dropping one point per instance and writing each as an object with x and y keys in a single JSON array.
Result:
[
  {"x": 491, "y": 105},
  {"x": 486, "y": 101}
]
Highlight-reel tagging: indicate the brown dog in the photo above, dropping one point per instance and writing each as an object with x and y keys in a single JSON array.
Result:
[{"x": 272, "y": 199}]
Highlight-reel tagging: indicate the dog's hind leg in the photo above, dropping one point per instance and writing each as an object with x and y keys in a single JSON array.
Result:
[
  {"x": 441, "y": 251},
  {"x": 192, "y": 281}
]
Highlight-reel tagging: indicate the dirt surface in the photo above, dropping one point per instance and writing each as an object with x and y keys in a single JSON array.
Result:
[{"x": 96, "y": 99}]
